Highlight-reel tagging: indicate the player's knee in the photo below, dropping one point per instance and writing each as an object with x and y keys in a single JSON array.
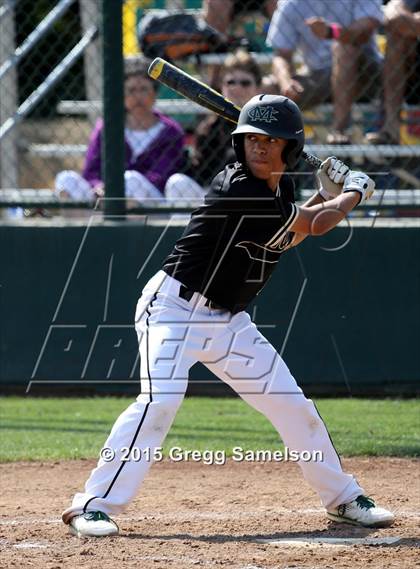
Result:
[
  {"x": 160, "y": 410},
  {"x": 299, "y": 405},
  {"x": 310, "y": 415},
  {"x": 304, "y": 411},
  {"x": 164, "y": 409},
  {"x": 164, "y": 401},
  {"x": 168, "y": 400}
]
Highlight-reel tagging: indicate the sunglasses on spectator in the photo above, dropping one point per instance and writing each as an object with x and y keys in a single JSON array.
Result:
[
  {"x": 241, "y": 82},
  {"x": 139, "y": 89}
]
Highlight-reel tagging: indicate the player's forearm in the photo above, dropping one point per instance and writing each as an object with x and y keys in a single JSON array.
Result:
[
  {"x": 329, "y": 214},
  {"x": 320, "y": 218},
  {"x": 315, "y": 199}
]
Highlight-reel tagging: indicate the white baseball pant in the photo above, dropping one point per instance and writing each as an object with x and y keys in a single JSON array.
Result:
[{"x": 173, "y": 335}]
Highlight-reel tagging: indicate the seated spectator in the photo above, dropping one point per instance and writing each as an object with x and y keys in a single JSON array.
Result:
[
  {"x": 221, "y": 14},
  {"x": 402, "y": 25},
  {"x": 154, "y": 146},
  {"x": 339, "y": 51},
  {"x": 241, "y": 78}
]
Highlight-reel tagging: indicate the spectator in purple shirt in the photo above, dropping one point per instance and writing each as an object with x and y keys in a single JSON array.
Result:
[{"x": 154, "y": 147}]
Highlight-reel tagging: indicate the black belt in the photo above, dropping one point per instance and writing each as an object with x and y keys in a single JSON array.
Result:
[{"x": 187, "y": 294}]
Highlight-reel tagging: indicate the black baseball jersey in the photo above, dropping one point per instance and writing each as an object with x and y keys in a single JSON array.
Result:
[{"x": 233, "y": 242}]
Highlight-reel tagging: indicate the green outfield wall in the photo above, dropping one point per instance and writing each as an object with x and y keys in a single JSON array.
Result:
[{"x": 343, "y": 309}]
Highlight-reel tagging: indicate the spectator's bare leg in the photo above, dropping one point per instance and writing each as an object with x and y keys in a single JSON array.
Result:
[
  {"x": 269, "y": 85},
  {"x": 344, "y": 84},
  {"x": 218, "y": 14},
  {"x": 399, "y": 51}
]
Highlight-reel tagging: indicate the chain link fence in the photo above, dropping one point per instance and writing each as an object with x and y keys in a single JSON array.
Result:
[
  {"x": 48, "y": 49},
  {"x": 352, "y": 66}
]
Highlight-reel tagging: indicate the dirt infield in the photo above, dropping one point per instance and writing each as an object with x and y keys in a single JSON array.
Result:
[{"x": 193, "y": 515}]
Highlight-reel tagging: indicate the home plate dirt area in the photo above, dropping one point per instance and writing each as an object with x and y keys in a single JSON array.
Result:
[{"x": 239, "y": 515}]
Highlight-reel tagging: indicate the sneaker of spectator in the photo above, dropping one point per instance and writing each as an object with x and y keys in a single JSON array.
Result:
[
  {"x": 402, "y": 27},
  {"x": 338, "y": 137},
  {"x": 382, "y": 137},
  {"x": 340, "y": 58}
]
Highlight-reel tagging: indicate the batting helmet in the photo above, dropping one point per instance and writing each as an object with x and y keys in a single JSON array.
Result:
[{"x": 272, "y": 115}]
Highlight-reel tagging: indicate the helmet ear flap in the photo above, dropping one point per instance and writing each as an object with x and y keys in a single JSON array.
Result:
[
  {"x": 238, "y": 146},
  {"x": 289, "y": 153}
]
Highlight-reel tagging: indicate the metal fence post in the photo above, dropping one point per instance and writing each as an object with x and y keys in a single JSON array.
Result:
[
  {"x": 8, "y": 101},
  {"x": 113, "y": 148},
  {"x": 92, "y": 63}
]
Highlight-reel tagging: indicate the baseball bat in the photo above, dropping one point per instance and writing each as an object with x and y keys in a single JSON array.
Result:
[{"x": 200, "y": 93}]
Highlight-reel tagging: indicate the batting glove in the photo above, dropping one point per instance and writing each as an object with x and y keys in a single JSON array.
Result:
[
  {"x": 331, "y": 175},
  {"x": 359, "y": 182}
]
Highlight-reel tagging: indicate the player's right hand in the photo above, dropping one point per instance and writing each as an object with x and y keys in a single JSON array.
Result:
[
  {"x": 359, "y": 182},
  {"x": 331, "y": 175}
]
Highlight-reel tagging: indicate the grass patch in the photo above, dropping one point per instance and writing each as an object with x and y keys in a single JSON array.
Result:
[{"x": 66, "y": 428}]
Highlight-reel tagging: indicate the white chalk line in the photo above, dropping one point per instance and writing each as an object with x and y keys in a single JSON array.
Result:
[
  {"x": 182, "y": 516},
  {"x": 185, "y": 560},
  {"x": 189, "y": 516},
  {"x": 30, "y": 545},
  {"x": 330, "y": 541},
  {"x": 172, "y": 559}
]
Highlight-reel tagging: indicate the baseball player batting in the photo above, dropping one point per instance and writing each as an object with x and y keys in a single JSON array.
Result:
[{"x": 194, "y": 309}]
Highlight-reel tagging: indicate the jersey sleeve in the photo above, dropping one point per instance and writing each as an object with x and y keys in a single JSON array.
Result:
[
  {"x": 288, "y": 189},
  {"x": 289, "y": 209},
  {"x": 226, "y": 189},
  {"x": 286, "y": 200},
  {"x": 232, "y": 190},
  {"x": 251, "y": 204}
]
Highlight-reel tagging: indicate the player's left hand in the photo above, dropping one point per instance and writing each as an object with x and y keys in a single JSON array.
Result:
[
  {"x": 361, "y": 183},
  {"x": 332, "y": 174}
]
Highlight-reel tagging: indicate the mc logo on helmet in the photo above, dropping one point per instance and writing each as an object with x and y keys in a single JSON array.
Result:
[{"x": 263, "y": 114}]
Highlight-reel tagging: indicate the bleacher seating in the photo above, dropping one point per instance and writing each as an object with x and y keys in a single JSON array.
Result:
[
  {"x": 318, "y": 116},
  {"x": 317, "y": 120}
]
